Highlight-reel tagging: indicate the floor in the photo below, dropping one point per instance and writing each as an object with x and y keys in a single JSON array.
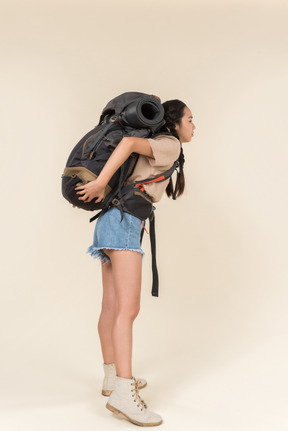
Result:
[{"x": 53, "y": 387}]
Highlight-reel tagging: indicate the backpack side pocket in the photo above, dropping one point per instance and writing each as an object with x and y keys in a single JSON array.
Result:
[{"x": 135, "y": 202}]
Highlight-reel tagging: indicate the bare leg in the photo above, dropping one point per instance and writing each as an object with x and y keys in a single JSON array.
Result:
[
  {"x": 126, "y": 273},
  {"x": 107, "y": 316}
]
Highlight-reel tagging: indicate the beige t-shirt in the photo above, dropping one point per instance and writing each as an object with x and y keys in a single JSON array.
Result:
[{"x": 166, "y": 150}]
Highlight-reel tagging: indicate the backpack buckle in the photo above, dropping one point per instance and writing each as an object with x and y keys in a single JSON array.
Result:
[
  {"x": 115, "y": 202},
  {"x": 113, "y": 118}
]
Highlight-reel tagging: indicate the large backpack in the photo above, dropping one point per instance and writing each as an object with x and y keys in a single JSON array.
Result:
[{"x": 130, "y": 114}]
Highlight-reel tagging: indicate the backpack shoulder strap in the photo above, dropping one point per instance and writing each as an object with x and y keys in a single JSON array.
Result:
[{"x": 158, "y": 178}]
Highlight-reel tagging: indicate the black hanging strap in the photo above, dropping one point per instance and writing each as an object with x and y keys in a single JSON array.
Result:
[
  {"x": 96, "y": 216},
  {"x": 155, "y": 282}
]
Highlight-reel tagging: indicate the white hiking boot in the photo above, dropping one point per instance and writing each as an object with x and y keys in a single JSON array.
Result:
[
  {"x": 125, "y": 399},
  {"x": 110, "y": 378}
]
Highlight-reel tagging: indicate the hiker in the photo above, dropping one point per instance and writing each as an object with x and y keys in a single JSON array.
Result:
[{"x": 117, "y": 244}]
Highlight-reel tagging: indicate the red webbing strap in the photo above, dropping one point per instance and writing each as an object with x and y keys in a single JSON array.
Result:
[
  {"x": 158, "y": 178},
  {"x": 154, "y": 180}
]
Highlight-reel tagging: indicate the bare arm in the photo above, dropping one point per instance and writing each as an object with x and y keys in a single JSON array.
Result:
[{"x": 127, "y": 146}]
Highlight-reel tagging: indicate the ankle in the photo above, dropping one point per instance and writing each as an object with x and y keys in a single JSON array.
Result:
[{"x": 124, "y": 376}]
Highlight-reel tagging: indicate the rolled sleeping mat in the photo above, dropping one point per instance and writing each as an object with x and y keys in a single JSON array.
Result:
[{"x": 144, "y": 112}]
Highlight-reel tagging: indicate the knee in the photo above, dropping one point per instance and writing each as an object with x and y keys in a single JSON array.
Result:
[
  {"x": 134, "y": 312},
  {"x": 108, "y": 306},
  {"x": 128, "y": 312}
]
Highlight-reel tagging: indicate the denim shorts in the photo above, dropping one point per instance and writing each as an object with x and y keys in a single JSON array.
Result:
[{"x": 113, "y": 234}]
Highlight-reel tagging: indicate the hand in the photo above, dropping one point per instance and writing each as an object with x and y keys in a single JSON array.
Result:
[{"x": 91, "y": 190}]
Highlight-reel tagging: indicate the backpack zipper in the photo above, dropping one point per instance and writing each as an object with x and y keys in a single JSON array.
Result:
[{"x": 85, "y": 143}]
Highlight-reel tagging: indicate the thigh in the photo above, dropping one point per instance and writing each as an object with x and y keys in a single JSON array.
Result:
[
  {"x": 109, "y": 297},
  {"x": 126, "y": 274}
]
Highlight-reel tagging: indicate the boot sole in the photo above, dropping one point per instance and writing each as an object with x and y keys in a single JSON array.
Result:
[
  {"x": 108, "y": 393},
  {"x": 117, "y": 412}
]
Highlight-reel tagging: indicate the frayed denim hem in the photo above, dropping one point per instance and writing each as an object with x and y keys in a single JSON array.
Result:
[{"x": 98, "y": 253}]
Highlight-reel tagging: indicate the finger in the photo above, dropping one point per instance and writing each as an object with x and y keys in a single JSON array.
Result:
[
  {"x": 85, "y": 198},
  {"x": 82, "y": 192}
]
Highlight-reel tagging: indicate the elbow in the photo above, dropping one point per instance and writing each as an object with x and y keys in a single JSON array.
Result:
[
  {"x": 128, "y": 143},
  {"x": 137, "y": 145}
]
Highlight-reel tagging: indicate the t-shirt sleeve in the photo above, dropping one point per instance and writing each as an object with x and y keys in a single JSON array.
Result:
[{"x": 166, "y": 150}]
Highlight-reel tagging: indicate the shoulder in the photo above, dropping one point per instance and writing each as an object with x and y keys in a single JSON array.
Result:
[
  {"x": 166, "y": 137},
  {"x": 165, "y": 148},
  {"x": 167, "y": 142}
]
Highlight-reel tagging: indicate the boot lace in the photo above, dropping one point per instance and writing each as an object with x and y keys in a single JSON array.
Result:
[{"x": 136, "y": 396}]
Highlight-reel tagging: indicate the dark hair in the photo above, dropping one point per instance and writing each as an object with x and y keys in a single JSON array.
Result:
[{"x": 174, "y": 111}]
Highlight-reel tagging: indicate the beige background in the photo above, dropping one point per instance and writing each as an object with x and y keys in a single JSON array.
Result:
[{"x": 213, "y": 346}]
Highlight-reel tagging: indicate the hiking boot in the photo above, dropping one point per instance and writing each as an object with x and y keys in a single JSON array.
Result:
[
  {"x": 110, "y": 377},
  {"x": 125, "y": 399}
]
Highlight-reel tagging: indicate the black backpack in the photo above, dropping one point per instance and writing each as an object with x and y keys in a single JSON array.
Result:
[{"x": 130, "y": 114}]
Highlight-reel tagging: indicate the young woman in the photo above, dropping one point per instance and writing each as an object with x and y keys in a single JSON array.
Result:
[{"x": 117, "y": 244}]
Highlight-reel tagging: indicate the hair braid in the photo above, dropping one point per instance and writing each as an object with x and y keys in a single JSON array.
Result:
[{"x": 174, "y": 110}]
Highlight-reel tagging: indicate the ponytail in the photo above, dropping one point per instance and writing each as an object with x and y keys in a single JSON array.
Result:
[
  {"x": 180, "y": 180},
  {"x": 174, "y": 111}
]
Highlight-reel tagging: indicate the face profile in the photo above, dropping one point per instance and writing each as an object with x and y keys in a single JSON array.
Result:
[{"x": 186, "y": 128}]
